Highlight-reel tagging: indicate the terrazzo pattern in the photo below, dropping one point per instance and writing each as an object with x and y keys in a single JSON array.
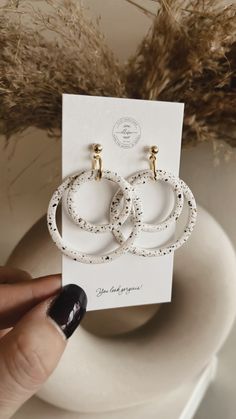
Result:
[
  {"x": 131, "y": 206},
  {"x": 79, "y": 256},
  {"x": 170, "y": 248},
  {"x": 119, "y": 217}
]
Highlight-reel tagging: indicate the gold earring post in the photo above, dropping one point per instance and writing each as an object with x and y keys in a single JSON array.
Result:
[
  {"x": 153, "y": 160},
  {"x": 97, "y": 160}
]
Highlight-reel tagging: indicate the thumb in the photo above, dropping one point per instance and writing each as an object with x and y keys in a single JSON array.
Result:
[{"x": 31, "y": 351}]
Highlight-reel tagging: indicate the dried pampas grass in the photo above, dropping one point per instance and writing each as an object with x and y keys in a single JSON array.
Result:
[
  {"x": 35, "y": 70},
  {"x": 189, "y": 55}
]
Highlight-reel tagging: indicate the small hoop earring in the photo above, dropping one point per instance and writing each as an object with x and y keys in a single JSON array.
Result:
[
  {"x": 181, "y": 191},
  {"x": 70, "y": 186},
  {"x": 125, "y": 187},
  {"x": 156, "y": 175}
]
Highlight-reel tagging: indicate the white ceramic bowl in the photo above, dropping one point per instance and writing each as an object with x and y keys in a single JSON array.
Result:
[{"x": 167, "y": 349}]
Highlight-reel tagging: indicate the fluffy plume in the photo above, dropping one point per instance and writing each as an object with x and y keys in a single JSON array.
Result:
[
  {"x": 35, "y": 70},
  {"x": 189, "y": 55}
]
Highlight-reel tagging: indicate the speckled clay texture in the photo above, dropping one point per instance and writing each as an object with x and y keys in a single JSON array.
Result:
[
  {"x": 74, "y": 254},
  {"x": 131, "y": 205},
  {"x": 143, "y": 177},
  {"x": 192, "y": 216},
  {"x": 118, "y": 219}
]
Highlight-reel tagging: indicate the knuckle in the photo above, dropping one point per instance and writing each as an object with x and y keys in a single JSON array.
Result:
[{"x": 27, "y": 365}]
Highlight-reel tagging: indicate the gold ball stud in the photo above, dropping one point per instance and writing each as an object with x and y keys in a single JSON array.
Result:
[
  {"x": 154, "y": 149},
  {"x": 97, "y": 148}
]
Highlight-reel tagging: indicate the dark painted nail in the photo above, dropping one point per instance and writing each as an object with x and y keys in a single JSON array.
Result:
[{"x": 68, "y": 308}]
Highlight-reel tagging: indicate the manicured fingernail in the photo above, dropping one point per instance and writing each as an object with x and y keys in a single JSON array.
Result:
[{"x": 68, "y": 308}]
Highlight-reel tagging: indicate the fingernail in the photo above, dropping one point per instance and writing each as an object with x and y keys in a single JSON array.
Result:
[{"x": 68, "y": 308}]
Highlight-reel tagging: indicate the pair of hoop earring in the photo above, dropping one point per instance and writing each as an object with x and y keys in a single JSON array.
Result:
[{"x": 125, "y": 203}]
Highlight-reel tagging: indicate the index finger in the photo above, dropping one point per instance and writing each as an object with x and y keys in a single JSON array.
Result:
[{"x": 12, "y": 275}]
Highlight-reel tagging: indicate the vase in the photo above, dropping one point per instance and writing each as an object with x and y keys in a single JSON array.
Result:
[{"x": 148, "y": 351}]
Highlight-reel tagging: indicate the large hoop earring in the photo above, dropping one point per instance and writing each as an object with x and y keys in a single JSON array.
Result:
[
  {"x": 70, "y": 186},
  {"x": 182, "y": 191}
]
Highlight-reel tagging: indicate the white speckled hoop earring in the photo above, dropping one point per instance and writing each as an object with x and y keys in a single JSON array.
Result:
[
  {"x": 80, "y": 256},
  {"x": 181, "y": 191},
  {"x": 164, "y": 250},
  {"x": 69, "y": 187}
]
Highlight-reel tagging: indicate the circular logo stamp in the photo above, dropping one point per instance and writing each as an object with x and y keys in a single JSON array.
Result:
[{"x": 126, "y": 132}]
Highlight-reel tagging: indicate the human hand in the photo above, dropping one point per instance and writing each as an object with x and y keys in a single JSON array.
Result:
[{"x": 36, "y": 319}]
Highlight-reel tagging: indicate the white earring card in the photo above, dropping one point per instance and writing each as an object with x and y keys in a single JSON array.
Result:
[{"x": 126, "y": 129}]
